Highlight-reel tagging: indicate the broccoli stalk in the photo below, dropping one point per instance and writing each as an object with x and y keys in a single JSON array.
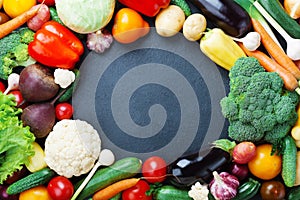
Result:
[
  {"x": 14, "y": 51},
  {"x": 257, "y": 106}
]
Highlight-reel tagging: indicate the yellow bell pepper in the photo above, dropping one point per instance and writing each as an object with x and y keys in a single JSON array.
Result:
[
  {"x": 220, "y": 48},
  {"x": 36, "y": 162}
]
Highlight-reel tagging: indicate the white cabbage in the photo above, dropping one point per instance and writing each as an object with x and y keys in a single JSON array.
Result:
[{"x": 85, "y": 16}]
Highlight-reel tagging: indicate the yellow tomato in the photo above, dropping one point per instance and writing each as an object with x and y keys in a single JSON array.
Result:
[
  {"x": 16, "y": 7},
  {"x": 1, "y": 2},
  {"x": 36, "y": 193},
  {"x": 264, "y": 165}
]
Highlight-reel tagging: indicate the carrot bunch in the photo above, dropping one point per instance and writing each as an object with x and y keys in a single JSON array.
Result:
[{"x": 279, "y": 62}]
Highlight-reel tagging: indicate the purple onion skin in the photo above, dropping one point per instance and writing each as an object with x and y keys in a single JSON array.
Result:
[
  {"x": 5, "y": 196},
  {"x": 224, "y": 186},
  {"x": 241, "y": 171}
]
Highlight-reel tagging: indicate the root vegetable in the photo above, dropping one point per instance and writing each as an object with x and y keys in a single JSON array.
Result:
[
  {"x": 37, "y": 83},
  {"x": 194, "y": 26},
  {"x": 169, "y": 21}
]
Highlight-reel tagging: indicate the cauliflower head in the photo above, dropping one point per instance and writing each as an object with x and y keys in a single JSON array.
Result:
[{"x": 72, "y": 147}]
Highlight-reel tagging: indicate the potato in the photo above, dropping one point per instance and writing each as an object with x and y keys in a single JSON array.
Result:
[
  {"x": 194, "y": 26},
  {"x": 169, "y": 21}
]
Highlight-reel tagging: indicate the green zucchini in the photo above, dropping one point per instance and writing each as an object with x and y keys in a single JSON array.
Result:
[
  {"x": 68, "y": 94},
  {"x": 183, "y": 5},
  {"x": 168, "y": 192},
  {"x": 294, "y": 193},
  {"x": 247, "y": 190},
  {"x": 276, "y": 10},
  {"x": 289, "y": 158},
  {"x": 121, "y": 169},
  {"x": 35, "y": 179}
]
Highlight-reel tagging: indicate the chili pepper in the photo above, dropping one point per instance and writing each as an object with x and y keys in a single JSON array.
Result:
[
  {"x": 55, "y": 46},
  {"x": 149, "y": 8}
]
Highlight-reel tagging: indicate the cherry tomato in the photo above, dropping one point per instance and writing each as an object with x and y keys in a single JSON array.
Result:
[
  {"x": 18, "y": 96},
  {"x": 137, "y": 192},
  {"x": 2, "y": 87},
  {"x": 264, "y": 165},
  {"x": 48, "y": 2},
  {"x": 154, "y": 169},
  {"x": 15, "y": 8},
  {"x": 60, "y": 188},
  {"x": 272, "y": 190},
  {"x": 36, "y": 193},
  {"x": 243, "y": 152},
  {"x": 63, "y": 111}
]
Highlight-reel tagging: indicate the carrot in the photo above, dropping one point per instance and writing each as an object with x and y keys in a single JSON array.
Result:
[
  {"x": 270, "y": 65},
  {"x": 274, "y": 50},
  {"x": 112, "y": 190},
  {"x": 16, "y": 22}
]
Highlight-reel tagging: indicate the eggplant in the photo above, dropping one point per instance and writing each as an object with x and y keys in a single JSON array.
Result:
[
  {"x": 226, "y": 15},
  {"x": 184, "y": 172}
]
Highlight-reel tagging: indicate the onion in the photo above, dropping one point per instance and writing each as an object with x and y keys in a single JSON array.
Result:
[
  {"x": 5, "y": 196},
  {"x": 241, "y": 171}
]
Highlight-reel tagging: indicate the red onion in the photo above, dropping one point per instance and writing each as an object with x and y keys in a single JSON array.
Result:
[
  {"x": 241, "y": 171},
  {"x": 224, "y": 186},
  {"x": 5, "y": 196}
]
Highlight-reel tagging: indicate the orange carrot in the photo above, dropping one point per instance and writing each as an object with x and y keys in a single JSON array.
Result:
[
  {"x": 112, "y": 190},
  {"x": 274, "y": 50},
  {"x": 16, "y": 22},
  {"x": 289, "y": 80}
]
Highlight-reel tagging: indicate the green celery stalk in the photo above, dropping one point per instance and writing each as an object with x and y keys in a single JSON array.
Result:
[{"x": 255, "y": 14}]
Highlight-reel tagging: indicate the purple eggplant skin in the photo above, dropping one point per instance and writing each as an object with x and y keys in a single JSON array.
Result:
[
  {"x": 226, "y": 15},
  {"x": 186, "y": 171}
]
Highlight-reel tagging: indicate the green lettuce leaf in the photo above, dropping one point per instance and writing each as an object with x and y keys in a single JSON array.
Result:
[{"x": 15, "y": 140}]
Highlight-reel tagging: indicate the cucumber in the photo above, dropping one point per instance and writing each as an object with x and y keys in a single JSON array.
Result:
[
  {"x": 68, "y": 94},
  {"x": 35, "y": 179},
  {"x": 289, "y": 158},
  {"x": 121, "y": 169},
  {"x": 276, "y": 10},
  {"x": 294, "y": 193},
  {"x": 168, "y": 192},
  {"x": 247, "y": 190},
  {"x": 183, "y": 5}
]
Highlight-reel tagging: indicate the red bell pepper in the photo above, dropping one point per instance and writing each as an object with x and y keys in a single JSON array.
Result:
[
  {"x": 149, "y": 8},
  {"x": 55, "y": 46}
]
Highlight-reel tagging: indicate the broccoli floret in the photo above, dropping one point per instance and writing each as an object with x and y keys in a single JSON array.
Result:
[
  {"x": 277, "y": 133},
  {"x": 229, "y": 108},
  {"x": 259, "y": 105},
  {"x": 14, "y": 51},
  {"x": 244, "y": 132},
  {"x": 245, "y": 66}
]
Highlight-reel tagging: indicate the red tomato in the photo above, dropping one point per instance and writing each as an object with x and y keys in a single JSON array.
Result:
[
  {"x": 60, "y": 188},
  {"x": 154, "y": 169},
  {"x": 63, "y": 111},
  {"x": 244, "y": 152},
  {"x": 48, "y": 2},
  {"x": 2, "y": 87},
  {"x": 18, "y": 96},
  {"x": 137, "y": 192}
]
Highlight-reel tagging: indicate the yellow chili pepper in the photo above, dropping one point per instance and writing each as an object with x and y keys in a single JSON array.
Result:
[{"x": 220, "y": 48}]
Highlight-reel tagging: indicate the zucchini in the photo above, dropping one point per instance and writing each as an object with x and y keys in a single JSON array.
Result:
[
  {"x": 247, "y": 190},
  {"x": 121, "y": 169},
  {"x": 35, "y": 179},
  {"x": 68, "y": 94},
  {"x": 294, "y": 193},
  {"x": 183, "y": 5},
  {"x": 276, "y": 10},
  {"x": 168, "y": 192},
  {"x": 289, "y": 158}
]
